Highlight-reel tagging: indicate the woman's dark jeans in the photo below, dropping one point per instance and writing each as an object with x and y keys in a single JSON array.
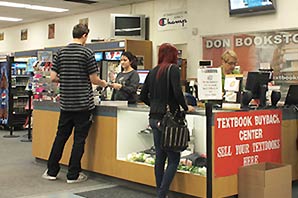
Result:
[{"x": 163, "y": 177}]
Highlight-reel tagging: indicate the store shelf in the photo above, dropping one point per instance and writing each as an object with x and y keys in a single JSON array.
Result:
[{"x": 18, "y": 97}]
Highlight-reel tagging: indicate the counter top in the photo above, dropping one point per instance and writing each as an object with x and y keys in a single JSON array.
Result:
[{"x": 109, "y": 108}]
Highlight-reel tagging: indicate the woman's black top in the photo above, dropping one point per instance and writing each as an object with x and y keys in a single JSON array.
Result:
[{"x": 154, "y": 92}]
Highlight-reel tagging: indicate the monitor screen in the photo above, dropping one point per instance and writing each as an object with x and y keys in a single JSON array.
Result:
[
  {"x": 255, "y": 81},
  {"x": 142, "y": 74},
  {"x": 98, "y": 56},
  {"x": 247, "y": 7},
  {"x": 292, "y": 95},
  {"x": 126, "y": 25},
  {"x": 113, "y": 55}
]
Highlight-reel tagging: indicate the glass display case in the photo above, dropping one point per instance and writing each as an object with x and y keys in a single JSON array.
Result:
[{"x": 142, "y": 150}]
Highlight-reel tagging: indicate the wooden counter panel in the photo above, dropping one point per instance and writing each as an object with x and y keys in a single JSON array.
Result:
[
  {"x": 191, "y": 184},
  {"x": 224, "y": 186},
  {"x": 100, "y": 155},
  {"x": 289, "y": 148},
  {"x": 136, "y": 172},
  {"x": 43, "y": 132},
  {"x": 100, "y": 148},
  {"x": 100, "y": 144}
]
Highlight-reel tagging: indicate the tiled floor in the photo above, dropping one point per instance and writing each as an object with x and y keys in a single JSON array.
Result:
[
  {"x": 22, "y": 175},
  {"x": 69, "y": 193}
]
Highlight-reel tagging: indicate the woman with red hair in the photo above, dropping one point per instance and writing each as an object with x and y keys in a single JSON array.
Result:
[{"x": 154, "y": 94}]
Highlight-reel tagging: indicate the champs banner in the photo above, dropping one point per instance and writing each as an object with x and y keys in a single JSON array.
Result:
[
  {"x": 175, "y": 19},
  {"x": 245, "y": 138},
  {"x": 276, "y": 49}
]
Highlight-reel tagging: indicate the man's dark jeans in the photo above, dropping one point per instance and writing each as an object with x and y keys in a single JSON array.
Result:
[{"x": 81, "y": 122}]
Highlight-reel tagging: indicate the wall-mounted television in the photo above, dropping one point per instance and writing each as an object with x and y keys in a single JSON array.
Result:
[
  {"x": 128, "y": 26},
  {"x": 113, "y": 55},
  {"x": 98, "y": 56},
  {"x": 251, "y": 7}
]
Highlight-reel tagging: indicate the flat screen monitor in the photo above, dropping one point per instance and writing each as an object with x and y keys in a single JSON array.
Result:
[
  {"x": 250, "y": 7},
  {"x": 142, "y": 74},
  {"x": 113, "y": 55},
  {"x": 98, "y": 56},
  {"x": 255, "y": 81},
  {"x": 292, "y": 95}
]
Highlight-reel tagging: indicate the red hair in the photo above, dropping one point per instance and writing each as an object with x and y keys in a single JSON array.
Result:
[{"x": 167, "y": 54}]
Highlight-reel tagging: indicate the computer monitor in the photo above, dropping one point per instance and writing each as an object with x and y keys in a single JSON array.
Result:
[
  {"x": 257, "y": 84},
  {"x": 255, "y": 81},
  {"x": 292, "y": 96},
  {"x": 142, "y": 74}
]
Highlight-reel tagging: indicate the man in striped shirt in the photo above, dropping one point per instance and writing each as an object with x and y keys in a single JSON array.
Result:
[{"x": 74, "y": 67}]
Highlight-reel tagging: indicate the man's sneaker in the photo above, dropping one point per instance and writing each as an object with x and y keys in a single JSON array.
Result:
[
  {"x": 82, "y": 177},
  {"x": 48, "y": 177}
]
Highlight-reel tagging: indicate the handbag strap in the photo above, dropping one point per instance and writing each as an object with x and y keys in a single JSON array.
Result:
[
  {"x": 168, "y": 87},
  {"x": 168, "y": 83}
]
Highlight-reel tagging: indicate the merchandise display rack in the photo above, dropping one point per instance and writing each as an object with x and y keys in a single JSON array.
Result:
[{"x": 17, "y": 96}]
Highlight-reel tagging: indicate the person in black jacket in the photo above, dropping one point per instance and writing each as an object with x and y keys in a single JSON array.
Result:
[{"x": 154, "y": 94}]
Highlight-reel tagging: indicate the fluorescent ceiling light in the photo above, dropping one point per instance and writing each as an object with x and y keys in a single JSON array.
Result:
[
  {"x": 44, "y": 8},
  {"x": 32, "y": 7},
  {"x": 10, "y": 19}
]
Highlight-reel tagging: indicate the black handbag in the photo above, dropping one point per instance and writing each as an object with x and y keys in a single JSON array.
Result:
[{"x": 175, "y": 134}]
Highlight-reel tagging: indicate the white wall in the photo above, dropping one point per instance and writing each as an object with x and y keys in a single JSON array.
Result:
[
  {"x": 99, "y": 24},
  {"x": 210, "y": 17}
]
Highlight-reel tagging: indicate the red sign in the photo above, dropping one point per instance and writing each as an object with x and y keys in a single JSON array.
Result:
[{"x": 245, "y": 138}]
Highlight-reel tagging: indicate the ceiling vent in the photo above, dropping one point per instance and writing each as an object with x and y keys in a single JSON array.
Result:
[{"x": 83, "y": 1}]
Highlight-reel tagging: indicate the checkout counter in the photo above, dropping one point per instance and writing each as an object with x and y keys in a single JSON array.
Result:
[{"x": 114, "y": 135}]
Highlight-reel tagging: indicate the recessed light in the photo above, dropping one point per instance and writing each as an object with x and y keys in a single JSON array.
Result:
[
  {"x": 32, "y": 7},
  {"x": 10, "y": 19}
]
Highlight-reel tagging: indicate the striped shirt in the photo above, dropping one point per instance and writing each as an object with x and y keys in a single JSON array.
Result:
[{"x": 73, "y": 64}]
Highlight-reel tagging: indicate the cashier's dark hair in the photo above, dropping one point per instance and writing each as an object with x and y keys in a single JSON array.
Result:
[
  {"x": 167, "y": 55},
  {"x": 132, "y": 59},
  {"x": 79, "y": 30}
]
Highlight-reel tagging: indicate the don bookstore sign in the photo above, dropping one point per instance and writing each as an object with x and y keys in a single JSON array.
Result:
[{"x": 245, "y": 138}]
